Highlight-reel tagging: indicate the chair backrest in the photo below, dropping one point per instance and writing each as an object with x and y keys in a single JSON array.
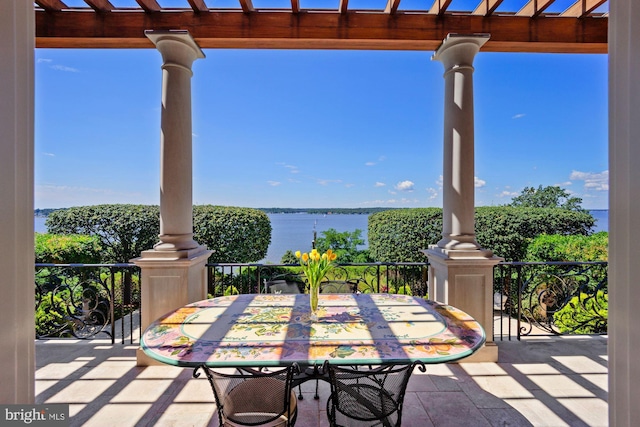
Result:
[
  {"x": 338, "y": 287},
  {"x": 368, "y": 395},
  {"x": 282, "y": 287},
  {"x": 248, "y": 397}
]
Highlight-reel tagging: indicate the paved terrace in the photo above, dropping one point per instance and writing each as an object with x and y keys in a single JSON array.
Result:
[{"x": 537, "y": 382}]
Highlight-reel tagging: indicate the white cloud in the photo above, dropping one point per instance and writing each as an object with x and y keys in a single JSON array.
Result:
[
  {"x": 328, "y": 181},
  {"x": 433, "y": 193},
  {"x": 379, "y": 184},
  {"x": 349, "y": 185},
  {"x": 592, "y": 180},
  {"x": 370, "y": 164},
  {"x": 405, "y": 186},
  {"x": 47, "y": 60},
  {"x": 518, "y": 116},
  {"x": 292, "y": 168},
  {"x": 478, "y": 183},
  {"x": 64, "y": 68},
  {"x": 49, "y": 154},
  {"x": 274, "y": 183},
  {"x": 440, "y": 181},
  {"x": 508, "y": 194}
]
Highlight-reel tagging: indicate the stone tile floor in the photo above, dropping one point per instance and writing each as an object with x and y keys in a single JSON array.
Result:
[{"x": 536, "y": 382}]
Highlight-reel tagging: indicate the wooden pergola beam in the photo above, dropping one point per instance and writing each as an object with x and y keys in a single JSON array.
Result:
[
  {"x": 439, "y": 7},
  {"x": 321, "y": 30},
  {"x": 51, "y": 5},
  {"x": 198, "y": 5},
  {"x": 344, "y": 6},
  {"x": 392, "y": 6},
  {"x": 582, "y": 8},
  {"x": 534, "y": 8},
  {"x": 247, "y": 6},
  {"x": 486, "y": 7},
  {"x": 100, "y": 5},
  {"x": 149, "y": 5}
]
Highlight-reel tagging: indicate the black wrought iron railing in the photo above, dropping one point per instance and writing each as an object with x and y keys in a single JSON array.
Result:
[
  {"x": 531, "y": 298},
  {"x": 550, "y": 298},
  {"x": 405, "y": 278},
  {"x": 87, "y": 300}
]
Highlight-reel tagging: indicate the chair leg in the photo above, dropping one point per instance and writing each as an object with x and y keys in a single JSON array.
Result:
[
  {"x": 300, "y": 393},
  {"x": 316, "y": 397}
]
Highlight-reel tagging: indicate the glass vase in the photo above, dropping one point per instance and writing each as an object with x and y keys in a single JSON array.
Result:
[{"x": 314, "y": 290}]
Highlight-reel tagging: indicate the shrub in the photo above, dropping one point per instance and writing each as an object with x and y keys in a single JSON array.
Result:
[
  {"x": 584, "y": 314},
  {"x": 124, "y": 231},
  {"x": 569, "y": 248},
  {"x": 67, "y": 249},
  {"x": 398, "y": 235},
  {"x": 234, "y": 234}
]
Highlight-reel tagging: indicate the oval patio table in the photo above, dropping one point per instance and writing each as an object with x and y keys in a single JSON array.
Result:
[{"x": 262, "y": 330}]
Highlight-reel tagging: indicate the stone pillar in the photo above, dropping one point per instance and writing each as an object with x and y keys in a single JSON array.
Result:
[
  {"x": 174, "y": 272},
  {"x": 624, "y": 211},
  {"x": 17, "y": 351},
  {"x": 460, "y": 271}
]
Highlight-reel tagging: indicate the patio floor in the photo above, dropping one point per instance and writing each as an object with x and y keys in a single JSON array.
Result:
[{"x": 537, "y": 382}]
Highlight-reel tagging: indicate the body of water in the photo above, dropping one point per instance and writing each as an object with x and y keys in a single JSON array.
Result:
[{"x": 295, "y": 231}]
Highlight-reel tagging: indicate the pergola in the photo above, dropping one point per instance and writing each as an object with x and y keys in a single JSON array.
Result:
[
  {"x": 580, "y": 28},
  {"x": 180, "y": 32}
]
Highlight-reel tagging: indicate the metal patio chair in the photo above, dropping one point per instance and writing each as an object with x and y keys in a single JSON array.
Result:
[
  {"x": 250, "y": 397},
  {"x": 368, "y": 397}
]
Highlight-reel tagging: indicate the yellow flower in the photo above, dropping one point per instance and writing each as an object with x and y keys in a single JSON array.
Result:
[{"x": 316, "y": 265}]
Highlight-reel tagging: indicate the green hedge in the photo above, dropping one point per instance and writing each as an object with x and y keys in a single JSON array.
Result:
[
  {"x": 569, "y": 248},
  {"x": 67, "y": 249},
  {"x": 508, "y": 230},
  {"x": 234, "y": 234},
  {"x": 399, "y": 235}
]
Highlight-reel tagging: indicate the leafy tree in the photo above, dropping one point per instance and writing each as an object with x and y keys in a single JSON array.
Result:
[
  {"x": 344, "y": 244},
  {"x": 234, "y": 234},
  {"x": 67, "y": 249},
  {"x": 289, "y": 258},
  {"x": 547, "y": 197},
  {"x": 124, "y": 231}
]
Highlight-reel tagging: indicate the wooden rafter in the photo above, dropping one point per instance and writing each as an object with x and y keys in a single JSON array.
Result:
[
  {"x": 149, "y": 5},
  {"x": 486, "y": 7},
  {"x": 344, "y": 6},
  {"x": 247, "y": 6},
  {"x": 392, "y": 6},
  {"x": 100, "y": 5},
  {"x": 198, "y": 5},
  {"x": 534, "y": 8},
  {"x": 295, "y": 6},
  {"x": 582, "y": 8},
  {"x": 322, "y": 30},
  {"x": 51, "y": 5},
  {"x": 439, "y": 7}
]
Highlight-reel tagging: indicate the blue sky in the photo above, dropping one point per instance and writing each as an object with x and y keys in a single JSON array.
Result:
[{"x": 317, "y": 128}]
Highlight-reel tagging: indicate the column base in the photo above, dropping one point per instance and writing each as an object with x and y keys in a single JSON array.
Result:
[
  {"x": 170, "y": 280},
  {"x": 487, "y": 353},
  {"x": 464, "y": 279}
]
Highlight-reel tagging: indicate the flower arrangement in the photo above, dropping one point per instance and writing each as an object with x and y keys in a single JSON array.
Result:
[{"x": 315, "y": 267}]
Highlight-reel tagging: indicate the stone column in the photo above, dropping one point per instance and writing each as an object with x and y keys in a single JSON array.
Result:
[
  {"x": 624, "y": 211},
  {"x": 460, "y": 271},
  {"x": 174, "y": 272},
  {"x": 17, "y": 351}
]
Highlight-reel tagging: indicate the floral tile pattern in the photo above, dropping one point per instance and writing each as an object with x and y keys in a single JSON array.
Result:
[{"x": 275, "y": 330}]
